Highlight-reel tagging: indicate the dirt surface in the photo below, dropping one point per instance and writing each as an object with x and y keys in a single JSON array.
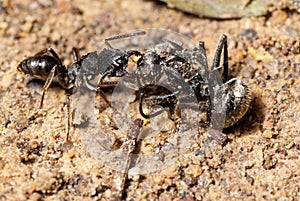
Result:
[{"x": 260, "y": 160}]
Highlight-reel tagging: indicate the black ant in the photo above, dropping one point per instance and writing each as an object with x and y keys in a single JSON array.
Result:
[
  {"x": 233, "y": 96},
  {"x": 47, "y": 66}
]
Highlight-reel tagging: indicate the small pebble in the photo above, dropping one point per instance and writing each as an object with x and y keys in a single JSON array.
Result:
[
  {"x": 34, "y": 145},
  {"x": 268, "y": 134}
]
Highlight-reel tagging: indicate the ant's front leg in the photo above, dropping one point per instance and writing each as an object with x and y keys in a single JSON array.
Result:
[
  {"x": 119, "y": 64},
  {"x": 169, "y": 99}
]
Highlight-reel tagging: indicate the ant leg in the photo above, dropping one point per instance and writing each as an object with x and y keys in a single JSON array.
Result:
[
  {"x": 61, "y": 69},
  {"x": 102, "y": 77},
  {"x": 222, "y": 45},
  {"x": 142, "y": 98},
  {"x": 129, "y": 54},
  {"x": 55, "y": 55},
  {"x": 48, "y": 83},
  {"x": 75, "y": 54},
  {"x": 169, "y": 99},
  {"x": 203, "y": 51},
  {"x": 129, "y": 145},
  {"x": 103, "y": 95},
  {"x": 146, "y": 116},
  {"x": 225, "y": 60},
  {"x": 202, "y": 45},
  {"x": 164, "y": 99},
  {"x": 157, "y": 100},
  {"x": 51, "y": 51},
  {"x": 217, "y": 58},
  {"x": 76, "y": 57},
  {"x": 100, "y": 83},
  {"x": 68, "y": 97},
  {"x": 42, "y": 52}
]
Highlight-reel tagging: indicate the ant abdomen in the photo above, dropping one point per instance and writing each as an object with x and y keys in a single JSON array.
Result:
[{"x": 38, "y": 66}]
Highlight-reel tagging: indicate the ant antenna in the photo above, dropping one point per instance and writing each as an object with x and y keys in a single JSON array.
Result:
[{"x": 128, "y": 35}]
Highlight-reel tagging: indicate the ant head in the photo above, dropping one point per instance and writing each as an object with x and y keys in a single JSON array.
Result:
[
  {"x": 237, "y": 100},
  {"x": 150, "y": 57}
]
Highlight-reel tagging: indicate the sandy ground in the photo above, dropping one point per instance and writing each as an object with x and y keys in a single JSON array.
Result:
[{"x": 260, "y": 161}]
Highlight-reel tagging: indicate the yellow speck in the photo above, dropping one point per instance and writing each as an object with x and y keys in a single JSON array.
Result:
[
  {"x": 71, "y": 155},
  {"x": 268, "y": 134},
  {"x": 149, "y": 148},
  {"x": 146, "y": 121}
]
